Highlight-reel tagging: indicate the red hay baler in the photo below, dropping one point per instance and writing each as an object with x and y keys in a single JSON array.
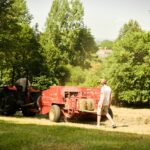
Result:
[
  {"x": 57, "y": 101},
  {"x": 68, "y": 102}
]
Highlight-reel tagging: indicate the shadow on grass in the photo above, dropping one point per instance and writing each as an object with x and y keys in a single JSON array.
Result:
[{"x": 41, "y": 137}]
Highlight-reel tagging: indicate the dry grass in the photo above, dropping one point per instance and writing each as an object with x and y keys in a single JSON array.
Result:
[{"x": 127, "y": 120}]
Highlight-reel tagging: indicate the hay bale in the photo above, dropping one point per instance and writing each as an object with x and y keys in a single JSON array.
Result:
[
  {"x": 83, "y": 104},
  {"x": 90, "y": 104}
]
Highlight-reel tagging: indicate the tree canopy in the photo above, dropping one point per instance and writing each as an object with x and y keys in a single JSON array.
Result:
[
  {"x": 18, "y": 42},
  {"x": 128, "y": 67},
  {"x": 43, "y": 56},
  {"x": 66, "y": 35},
  {"x": 66, "y": 50},
  {"x": 66, "y": 40},
  {"x": 130, "y": 26}
]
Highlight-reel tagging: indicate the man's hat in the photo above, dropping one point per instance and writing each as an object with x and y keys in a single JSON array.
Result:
[{"x": 102, "y": 81}]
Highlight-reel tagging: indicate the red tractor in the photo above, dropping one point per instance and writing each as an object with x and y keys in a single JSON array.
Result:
[
  {"x": 12, "y": 99},
  {"x": 69, "y": 102}
]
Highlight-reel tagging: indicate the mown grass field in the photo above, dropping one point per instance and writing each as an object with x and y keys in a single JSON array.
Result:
[{"x": 38, "y": 137}]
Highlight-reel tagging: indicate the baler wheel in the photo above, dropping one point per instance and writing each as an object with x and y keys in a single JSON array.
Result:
[{"x": 54, "y": 113}]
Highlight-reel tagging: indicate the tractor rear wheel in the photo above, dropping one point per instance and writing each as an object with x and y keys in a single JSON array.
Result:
[
  {"x": 27, "y": 112},
  {"x": 54, "y": 113},
  {"x": 8, "y": 104}
]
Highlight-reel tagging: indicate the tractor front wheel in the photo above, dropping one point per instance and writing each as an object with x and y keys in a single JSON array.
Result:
[
  {"x": 8, "y": 105},
  {"x": 27, "y": 112},
  {"x": 54, "y": 113}
]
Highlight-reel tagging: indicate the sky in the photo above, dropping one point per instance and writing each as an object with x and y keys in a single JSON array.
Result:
[{"x": 103, "y": 17}]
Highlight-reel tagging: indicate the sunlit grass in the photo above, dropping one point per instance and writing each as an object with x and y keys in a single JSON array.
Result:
[{"x": 30, "y": 137}]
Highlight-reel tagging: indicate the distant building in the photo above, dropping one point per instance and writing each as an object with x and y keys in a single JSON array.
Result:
[{"x": 102, "y": 53}]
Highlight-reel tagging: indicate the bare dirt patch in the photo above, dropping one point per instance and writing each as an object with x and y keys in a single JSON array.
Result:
[{"x": 127, "y": 120}]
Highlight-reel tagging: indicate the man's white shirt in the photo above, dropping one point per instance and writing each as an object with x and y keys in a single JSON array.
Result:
[{"x": 105, "y": 93}]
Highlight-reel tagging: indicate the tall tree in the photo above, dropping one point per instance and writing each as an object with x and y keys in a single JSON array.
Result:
[
  {"x": 18, "y": 41},
  {"x": 128, "y": 69},
  {"x": 65, "y": 36},
  {"x": 8, "y": 27},
  {"x": 131, "y": 26},
  {"x": 8, "y": 24}
]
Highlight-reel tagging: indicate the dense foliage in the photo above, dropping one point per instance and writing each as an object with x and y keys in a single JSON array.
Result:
[
  {"x": 131, "y": 26},
  {"x": 65, "y": 52},
  {"x": 66, "y": 40},
  {"x": 128, "y": 69},
  {"x": 19, "y": 47},
  {"x": 43, "y": 57}
]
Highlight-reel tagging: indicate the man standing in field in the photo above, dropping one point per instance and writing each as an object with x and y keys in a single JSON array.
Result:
[{"x": 104, "y": 102}]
